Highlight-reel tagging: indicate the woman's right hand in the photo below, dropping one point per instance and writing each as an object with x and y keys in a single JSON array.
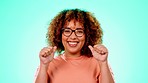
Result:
[{"x": 46, "y": 55}]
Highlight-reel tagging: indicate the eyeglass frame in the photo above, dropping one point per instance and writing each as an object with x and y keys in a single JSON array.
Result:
[{"x": 72, "y": 31}]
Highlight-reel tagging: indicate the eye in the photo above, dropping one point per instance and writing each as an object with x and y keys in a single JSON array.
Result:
[
  {"x": 67, "y": 30},
  {"x": 80, "y": 31}
]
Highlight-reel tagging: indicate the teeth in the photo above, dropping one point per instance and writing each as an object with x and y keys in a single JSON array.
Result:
[{"x": 72, "y": 42}]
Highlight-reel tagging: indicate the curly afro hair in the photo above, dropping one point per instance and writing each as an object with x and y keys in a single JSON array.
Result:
[{"x": 93, "y": 31}]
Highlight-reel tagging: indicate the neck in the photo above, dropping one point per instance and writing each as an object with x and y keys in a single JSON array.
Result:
[{"x": 74, "y": 55}]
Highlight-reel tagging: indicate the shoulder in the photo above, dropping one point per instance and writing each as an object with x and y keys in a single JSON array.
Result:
[
  {"x": 91, "y": 61},
  {"x": 93, "y": 65},
  {"x": 56, "y": 60}
]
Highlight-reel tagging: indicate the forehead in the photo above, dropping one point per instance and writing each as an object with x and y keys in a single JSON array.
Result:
[{"x": 73, "y": 23}]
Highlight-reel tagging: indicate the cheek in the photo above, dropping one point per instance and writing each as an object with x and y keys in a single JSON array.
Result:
[
  {"x": 63, "y": 39},
  {"x": 83, "y": 39}
]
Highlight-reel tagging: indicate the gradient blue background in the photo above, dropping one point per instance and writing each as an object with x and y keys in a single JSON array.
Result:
[{"x": 23, "y": 26}]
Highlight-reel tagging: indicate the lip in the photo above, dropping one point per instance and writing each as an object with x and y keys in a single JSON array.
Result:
[{"x": 73, "y": 43}]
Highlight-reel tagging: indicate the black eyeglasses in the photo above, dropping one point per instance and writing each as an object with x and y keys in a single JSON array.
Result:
[{"x": 68, "y": 31}]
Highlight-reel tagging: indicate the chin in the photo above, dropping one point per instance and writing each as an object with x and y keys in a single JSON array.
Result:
[{"x": 74, "y": 51}]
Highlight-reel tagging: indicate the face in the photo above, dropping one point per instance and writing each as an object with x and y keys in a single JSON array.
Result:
[{"x": 74, "y": 42}]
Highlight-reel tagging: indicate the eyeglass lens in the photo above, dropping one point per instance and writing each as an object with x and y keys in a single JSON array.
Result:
[{"x": 78, "y": 32}]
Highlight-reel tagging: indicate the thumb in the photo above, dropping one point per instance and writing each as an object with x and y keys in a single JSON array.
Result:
[
  {"x": 54, "y": 49},
  {"x": 91, "y": 48}
]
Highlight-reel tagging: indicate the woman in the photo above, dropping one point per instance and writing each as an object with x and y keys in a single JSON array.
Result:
[{"x": 77, "y": 36}]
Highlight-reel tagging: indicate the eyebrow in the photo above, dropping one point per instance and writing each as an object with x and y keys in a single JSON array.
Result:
[{"x": 75, "y": 29}]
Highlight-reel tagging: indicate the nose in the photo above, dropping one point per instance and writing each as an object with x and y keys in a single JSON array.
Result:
[{"x": 73, "y": 35}]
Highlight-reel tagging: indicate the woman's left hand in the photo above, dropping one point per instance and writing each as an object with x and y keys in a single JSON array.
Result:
[{"x": 100, "y": 52}]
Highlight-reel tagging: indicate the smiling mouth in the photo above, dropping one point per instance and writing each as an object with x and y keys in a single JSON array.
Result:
[{"x": 73, "y": 43}]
